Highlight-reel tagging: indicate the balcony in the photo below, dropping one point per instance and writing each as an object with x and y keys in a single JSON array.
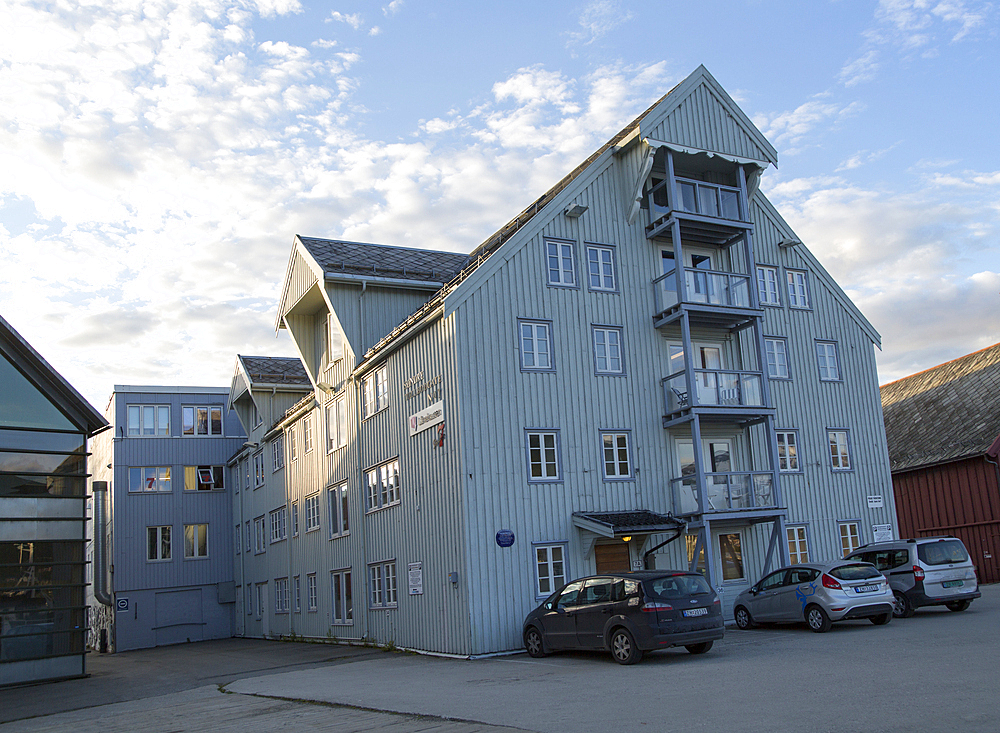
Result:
[
  {"x": 713, "y": 388},
  {"x": 708, "y": 287},
  {"x": 709, "y": 213},
  {"x": 725, "y": 492}
]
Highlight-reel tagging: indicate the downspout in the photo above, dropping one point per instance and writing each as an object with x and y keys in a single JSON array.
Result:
[
  {"x": 648, "y": 553},
  {"x": 361, "y": 317},
  {"x": 101, "y": 543}
]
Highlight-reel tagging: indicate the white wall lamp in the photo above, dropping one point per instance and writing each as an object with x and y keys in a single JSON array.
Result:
[
  {"x": 788, "y": 242},
  {"x": 325, "y": 386},
  {"x": 575, "y": 211}
]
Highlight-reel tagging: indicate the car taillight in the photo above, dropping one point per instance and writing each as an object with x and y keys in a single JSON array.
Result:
[
  {"x": 918, "y": 572},
  {"x": 829, "y": 582},
  {"x": 654, "y": 607}
]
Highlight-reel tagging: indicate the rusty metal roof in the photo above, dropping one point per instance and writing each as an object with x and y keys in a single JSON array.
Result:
[
  {"x": 946, "y": 413},
  {"x": 379, "y": 260}
]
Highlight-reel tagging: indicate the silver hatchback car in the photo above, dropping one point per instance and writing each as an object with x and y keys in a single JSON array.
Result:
[{"x": 817, "y": 593}]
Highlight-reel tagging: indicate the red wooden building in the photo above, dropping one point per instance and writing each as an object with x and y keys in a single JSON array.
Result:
[{"x": 943, "y": 429}]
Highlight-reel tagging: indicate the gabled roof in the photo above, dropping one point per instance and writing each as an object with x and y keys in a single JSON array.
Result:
[
  {"x": 943, "y": 414},
  {"x": 50, "y": 382},
  {"x": 274, "y": 370},
  {"x": 338, "y": 257}
]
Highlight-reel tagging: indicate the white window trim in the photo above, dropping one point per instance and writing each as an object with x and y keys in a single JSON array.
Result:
[
  {"x": 339, "y": 580},
  {"x": 795, "y": 444},
  {"x": 375, "y": 391},
  {"x": 846, "y": 452},
  {"x": 159, "y": 543},
  {"x": 784, "y": 350},
  {"x": 194, "y": 421},
  {"x": 194, "y": 544},
  {"x": 383, "y": 486},
  {"x": 823, "y": 359},
  {"x": 615, "y": 435},
  {"x": 148, "y": 485},
  {"x": 795, "y": 558},
  {"x": 606, "y": 331},
  {"x": 278, "y": 453},
  {"x": 312, "y": 593},
  {"x": 279, "y": 524},
  {"x": 338, "y": 514},
  {"x": 383, "y": 585},
  {"x": 158, "y": 413},
  {"x": 841, "y": 524},
  {"x": 797, "y": 288},
  {"x": 768, "y": 287},
  {"x": 564, "y": 278},
  {"x": 555, "y": 581},
  {"x": 281, "y": 595},
  {"x": 602, "y": 288},
  {"x": 556, "y": 446},
  {"x": 536, "y": 328},
  {"x": 312, "y": 501}
]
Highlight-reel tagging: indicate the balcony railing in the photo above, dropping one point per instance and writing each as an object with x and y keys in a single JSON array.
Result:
[
  {"x": 725, "y": 492},
  {"x": 696, "y": 197},
  {"x": 711, "y": 287},
  {"x": 713, "y": 387}
]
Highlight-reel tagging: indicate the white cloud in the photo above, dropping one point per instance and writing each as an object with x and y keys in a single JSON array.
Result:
[
  {"x": 392, "y": 8},
  {"x": 789, "y": 130},
  {"x": 354, "y": 19},
  {"x": 597, "y": 19}
]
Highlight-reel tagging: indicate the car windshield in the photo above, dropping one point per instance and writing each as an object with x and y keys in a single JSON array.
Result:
[
  {"x": 855, "y": 572},
  {"x": 942, "y": 553},
  {"x": 677, "y": 586}
]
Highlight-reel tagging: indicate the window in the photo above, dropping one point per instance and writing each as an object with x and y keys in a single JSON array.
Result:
[
  {"x": 536, "y": 346},
  {"x": 788, "y": 450},
  {"x": 617, "y": 464},
  {"x": 249, "y": 535},
  {"x": 336, "y": 342},
  {"x": 383, "y": 485},
  {"x": 560, "y": 265},
  {"x": 295, "y": 518},
  {"x": 691, "y": 544},
  {"x": 307, "y": 434},
  {"x": 195, "y": 540},
  {"x": 293, "y": 448},
  {"x": 798, "y": 293},
  {"x": 158, "y": 543},
  {"x": 776, "y": 350},
  {"x": 550, "y": 568},
  {"x": 281, "y": 595},
  {"x": 731, "y": 555},
  {"x": 767, "y": 286},
  {"x": 840, "y": 453},
  {"x": 543, "y": 455},
  {"x": 826, "y": 359},
  {"x": 203, "y": 478},
  {"x": 336, "y": 425},
  {"x": 258, "y": 469},
  {"x": 850, "y": 537},
  {"x": 249, "y": 599},
  {"x": 312, "y": 597},
  {"x": 343, "y": 606},
  {"x": 337, "y": 510},
  {"x": 148, "y": 420},
  {"x": 608, "y": 350},
  {"x": 798, "y": 548},
  {"x": 149, "y": 478},
  {"x": 278, "y": 524},
  {"x": 246, "y": 473},
  {"x": 375, "y": 391},
  {"x": 312, "y": 512},
  {"x": 239, "y": 539},
  {"x": 278, "y": 453},
  {"x": 601, "y": 268},
  {"x": 255, "y": 417},
  {"x": 259, "y": 535},
  {"x": 382, "y": 580},
  {"x": 201, "y": 420},
  {"x": 298, "y": 595},
  {"x": 261, "y": 590}
]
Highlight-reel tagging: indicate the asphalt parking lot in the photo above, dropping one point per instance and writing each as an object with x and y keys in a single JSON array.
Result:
[{"x": 932, "y": 672}]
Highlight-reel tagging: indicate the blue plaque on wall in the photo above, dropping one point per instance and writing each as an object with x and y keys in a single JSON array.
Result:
[{"x": 505, "y": 538}]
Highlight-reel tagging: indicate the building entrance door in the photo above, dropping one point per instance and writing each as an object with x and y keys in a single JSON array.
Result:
[{"x": 612, "y": 558}]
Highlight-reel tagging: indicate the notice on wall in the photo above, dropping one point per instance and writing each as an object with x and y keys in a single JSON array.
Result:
[
  {"x": 121, "y": 604},
  {"x": 415, "y": 578},
  {"x": 881, "y": 532},
  {"x": 427, "y": 418},
  {"x": 875, "y": 502}
]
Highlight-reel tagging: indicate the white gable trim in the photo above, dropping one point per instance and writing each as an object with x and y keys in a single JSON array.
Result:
[{"x": 738, "y": 159}]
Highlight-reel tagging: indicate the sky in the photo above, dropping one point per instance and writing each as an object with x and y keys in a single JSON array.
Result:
[{"x": 157, "y": 157}]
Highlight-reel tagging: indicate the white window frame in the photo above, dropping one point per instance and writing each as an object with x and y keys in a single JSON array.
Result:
[
  {"x": 204, "y": 478},
  {"x": 281, "y": 595},
  {"x": 828, "y": 361},
  {"x": 260, "y": 598},
  {"x": 798, "y": 544},
  {"x": 382, "y": 486},
  {"x": 149, "y": 479},
  {"x": 768, "y": 289},
  {"x": 542, "y": 449},
  {"x": 279, "y": 524},
  {"x": 548, "y": 579},
  {"x": 336, "y": 425},
  {"x": 249, "y": 599},
  {"x": 788, "y": 450},
  {"x": 615, "y": 442},
  {"x": 210, "y": 431},
  {"x": 336, "y": 341},
  {"x": 239, "y": 539},
  {"x": 338, "y": 511},
  {"x": 375, "y": 391},
  {"x": 531, "y": 335},
  {"x": 849, "y": 532},
  {"x": 192, "y": 548},
  {"x": 341, "y": 597},
  {"x": 163, "y": 533},
  {"x": 743, "y": 562},
  {"x": 259, "y": 535},
  {"x": 159, "y": 415},
  {"x": 601, "y": 257},
  {"x": 247, "y": 471},
  {"x": 249, "y": 537},
  {"x": 775, "y": 368},
  {"x": 312, "y": 512},
  {"x": 258, "y": 469},
  {"x": 298, "y": 594},
  {"x": 307, "y": 434},
  {"x": 382, "y": 585},
  {"x": 312, "y": 593},
  {"x": 839, "y": 442},
  {"x": 293, "y": 448},
  {"x": 278, "y": 453},
  {"x": 798, "y": 288},
  {"x": 608, "y": 349},
  {"x": 294, "y": 508},
  {"x": 560, "y": 263}
]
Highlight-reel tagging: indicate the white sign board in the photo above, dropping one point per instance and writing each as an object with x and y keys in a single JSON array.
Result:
[
  {"x": 875, "y": 502},
  {"x": 415, "y": 578},
  {"x": 881, "y": 532},
  {"x": 427, "y": 418}
]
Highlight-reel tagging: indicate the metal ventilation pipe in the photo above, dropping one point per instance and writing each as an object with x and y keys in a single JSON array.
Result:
[{"x": 101, "y": 543}]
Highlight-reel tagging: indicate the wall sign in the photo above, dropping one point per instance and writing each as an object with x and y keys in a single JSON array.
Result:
[
  {"x": 881, "y": 532},
  {"x": 875, "y": 502},
  {"x": 415, "y": 578},
  {"x": 416, "y": 385},
  {"x": 505, "y": 538},
  {"x": 427, "y": 418},
  {"x": 121, "y": 604}
]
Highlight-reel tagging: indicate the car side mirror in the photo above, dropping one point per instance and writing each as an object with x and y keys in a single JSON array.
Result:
[{"x": 753, "y": 590}]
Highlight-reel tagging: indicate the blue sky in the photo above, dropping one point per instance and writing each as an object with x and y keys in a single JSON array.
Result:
[{"x": 157, "y": 157}]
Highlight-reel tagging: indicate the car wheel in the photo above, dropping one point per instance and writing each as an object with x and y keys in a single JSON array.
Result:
[
  {"x": 881, "y": 620},
  {"x": 817, "y": 619},
  {"x": 533, "y": 643},
  {"x": 699, "y": 648},
  {"x": 743, "y": 619},
  {"x": 901, "y": 606},
  {"x": 623, "y": 647},
  {"x": 958, "y": 605}
]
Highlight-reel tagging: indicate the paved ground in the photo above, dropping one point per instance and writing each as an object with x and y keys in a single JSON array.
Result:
[{"x": 932, "y": 672}]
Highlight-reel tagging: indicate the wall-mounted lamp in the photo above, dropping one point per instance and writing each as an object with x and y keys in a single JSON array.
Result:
[
  {"x": 248, "y": 444},
  {"x": 325, "y": 386},
  {"x": 627, "y": 538},
  {"x": 575, "y": 211},
  {"x": 788, "y": 242}
]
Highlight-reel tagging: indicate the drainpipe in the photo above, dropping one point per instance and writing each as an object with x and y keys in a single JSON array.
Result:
[
  {"x": 101, "y": 543},
  {"x": 646, "y": 555}
]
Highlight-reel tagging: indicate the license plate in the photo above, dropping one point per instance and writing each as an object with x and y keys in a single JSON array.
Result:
[
  {"x": 696, "y": 612},
  {"x": 865, "y": 588},
  {"x": 952, "y": 584}
]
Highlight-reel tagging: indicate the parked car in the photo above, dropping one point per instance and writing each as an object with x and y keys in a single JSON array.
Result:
[
  {"x": 928, "y": 571},
  {"x": 627, "y": 614},
  {"x": 817, "y": 593}
]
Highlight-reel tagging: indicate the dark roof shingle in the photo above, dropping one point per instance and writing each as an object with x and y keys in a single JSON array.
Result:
[
  {"x": 379, "y": 260},
  {"x": 275, "y": 370}
]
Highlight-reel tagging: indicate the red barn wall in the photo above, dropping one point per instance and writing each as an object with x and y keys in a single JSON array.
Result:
[{"x": 961, "y": 499}]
